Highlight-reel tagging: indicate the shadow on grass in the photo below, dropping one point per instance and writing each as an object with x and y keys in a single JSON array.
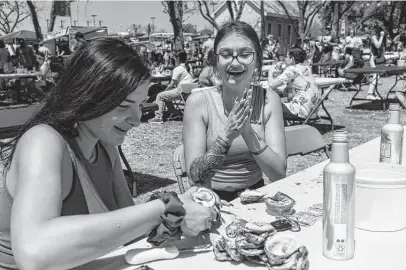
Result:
[
  {"x": 324, "y": 128},
  {"x": 147, "y": 182},
  {"x": 368, "y": 106}
]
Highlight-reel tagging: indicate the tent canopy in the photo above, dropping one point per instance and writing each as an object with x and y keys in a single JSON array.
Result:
[{"x": 24, "y": 34}]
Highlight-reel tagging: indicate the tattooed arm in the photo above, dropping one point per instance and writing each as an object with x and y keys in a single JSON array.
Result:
[{"x": 204, "y": 168}]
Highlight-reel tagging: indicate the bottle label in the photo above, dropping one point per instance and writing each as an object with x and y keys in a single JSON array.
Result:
[
  {"x": 391, "y": 147},
  {"x": 340, "y": 204}
]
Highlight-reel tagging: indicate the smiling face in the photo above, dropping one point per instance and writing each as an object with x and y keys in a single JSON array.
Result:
[
  {"x": 236, "y": 61},
  {"x": 112, "y": 127}
]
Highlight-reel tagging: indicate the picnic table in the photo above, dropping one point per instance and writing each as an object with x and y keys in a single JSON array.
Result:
[
  {"x": 19, "y": 75},
  {"x": 382, "y": 70},
  {"x": 373, "y": 250},
  {"x": 331, "y": 64}
]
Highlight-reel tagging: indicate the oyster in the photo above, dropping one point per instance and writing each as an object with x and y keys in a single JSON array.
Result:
[
  {"x": 297, "y": 261},
  {"x": 251, "y": 196},
  {"x": 206, "y": 197},
  {"x": 280, "y": 204},
  {"x": 235, "y": 228},
  {"x": 242, "y": 243},
  {"x": 280, "y": 247},
  {"x": 256, "y": 259},
  {"x": 218, "y": 243},
  {"x": 256, "y": 239},
  {"x": 259, "y": 228}
]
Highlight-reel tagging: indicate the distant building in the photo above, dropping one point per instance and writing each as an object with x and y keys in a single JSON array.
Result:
[{"x": 277, "y": 22}]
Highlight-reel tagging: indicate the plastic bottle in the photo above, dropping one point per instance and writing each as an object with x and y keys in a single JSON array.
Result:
[
  {"x": 392, "y": 137},
  {"x": 339, "y": 202}
]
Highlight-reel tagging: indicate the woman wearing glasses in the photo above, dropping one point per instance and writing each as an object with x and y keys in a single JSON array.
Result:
[{"x": 234, "y": 132}]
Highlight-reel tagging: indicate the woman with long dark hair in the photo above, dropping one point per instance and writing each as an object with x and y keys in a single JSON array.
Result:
[
  {"x": 233, "y": 132},
  {"x": 65, "y": 200}
]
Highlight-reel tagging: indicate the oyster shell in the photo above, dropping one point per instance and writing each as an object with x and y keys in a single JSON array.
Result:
[
  {"x": 256, "y": 239},
  {"x": 206, "y": 197},
  {"x": 235, "y": 228},
  {"x": 242, "y": 243},
  {"x": 259, "y": 228},
  {"x": 251, "y": 196},
  {"x": 297, "y": 261},
  {"x": 280, "y": 204},
  {"x": 280, "y": 247}
]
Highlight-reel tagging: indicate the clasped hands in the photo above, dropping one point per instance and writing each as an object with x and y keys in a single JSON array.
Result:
[{"x": 240, "y": 115}]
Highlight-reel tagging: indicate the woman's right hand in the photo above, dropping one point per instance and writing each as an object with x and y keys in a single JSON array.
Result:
[
  {"x": 239, "y": 115},
  {"x": 198, "y": 218}
]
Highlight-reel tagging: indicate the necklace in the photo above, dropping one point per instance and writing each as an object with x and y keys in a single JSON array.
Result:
[{"x": 222, "y": 101}]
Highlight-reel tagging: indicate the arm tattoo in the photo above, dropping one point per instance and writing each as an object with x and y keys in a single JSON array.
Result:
[{"x": 204, "y": 168}]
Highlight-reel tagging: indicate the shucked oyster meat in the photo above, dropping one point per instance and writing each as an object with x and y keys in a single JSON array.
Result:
[
  {"x": 251, "y": 196},
  {"x": 284, "y": 253},
  {"x": 208, "y": 198}
]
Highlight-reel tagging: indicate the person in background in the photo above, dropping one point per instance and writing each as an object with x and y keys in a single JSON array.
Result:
[
  {"x": 207, "y": 46},
  {"x": 233, "y": 132},
  {"x": 378, "y": 42},
  {"x": 180, "y": 74},
  {"x": 26, "y": 55},
  {"x": 4, "y": 56},
  {"x": 64, "y": 164},
  {"x": 328, "y": 47},
  {"x": 80, "y": 41},
  {"x": 207, "y": 76},
  {"x": 302, "y": 87},
  {"x": 352, "y": 41}
]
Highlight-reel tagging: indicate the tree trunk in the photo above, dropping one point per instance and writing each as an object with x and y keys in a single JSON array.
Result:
[
  {"x": 262, "y": 21},
  {"x": 302, "y": 11},
  {"x": 175, "y": 10},
  {"x": 335, "y": 29},
  {"x": 35, "y": 22}
]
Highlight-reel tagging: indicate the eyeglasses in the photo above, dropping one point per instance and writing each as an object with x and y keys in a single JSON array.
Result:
[{"x": 244, "y": 58}]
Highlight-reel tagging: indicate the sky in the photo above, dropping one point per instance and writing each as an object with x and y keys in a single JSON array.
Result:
[{"x": 116, "y": 15}]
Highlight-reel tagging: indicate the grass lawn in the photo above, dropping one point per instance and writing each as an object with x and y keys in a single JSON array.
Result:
[{"x": 149, "y": 147}]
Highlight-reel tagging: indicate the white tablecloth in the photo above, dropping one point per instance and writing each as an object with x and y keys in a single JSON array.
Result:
[{"x": 373, "y": 250}]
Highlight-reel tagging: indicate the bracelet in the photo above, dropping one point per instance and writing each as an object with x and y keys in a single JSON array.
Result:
[
  {"x": 223, "y": 142},
  {"x": 259, "y": 151},
  {"x": 169, "y": 229}
]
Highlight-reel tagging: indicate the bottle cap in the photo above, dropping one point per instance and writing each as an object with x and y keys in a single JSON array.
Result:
[
  {"x": 394, "y": 107},
  {"x": 340, "y": 136}
]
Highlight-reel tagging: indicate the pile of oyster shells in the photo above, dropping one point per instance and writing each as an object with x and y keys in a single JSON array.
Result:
[{"x": 258, "y": 243}]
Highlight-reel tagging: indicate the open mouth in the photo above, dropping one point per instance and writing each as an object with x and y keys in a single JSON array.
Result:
[{"x": 235, "y": 73}]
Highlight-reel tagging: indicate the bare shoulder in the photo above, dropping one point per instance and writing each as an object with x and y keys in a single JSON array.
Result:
[
  {"x": 42, "y": 151},
  {"x": 196, "y": 99},
  {"x": 41, "y": 137}
]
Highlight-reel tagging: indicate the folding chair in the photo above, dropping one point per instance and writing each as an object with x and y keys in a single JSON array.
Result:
[
  {"x": 303, "y": 140},
  {"x": 309, "y": 119},
  {"x": 179, "y": 166},
  {"x": 185, "y": 89}
]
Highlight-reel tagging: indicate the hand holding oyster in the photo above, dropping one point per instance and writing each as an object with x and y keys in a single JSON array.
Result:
[{"x": 208, "y": 198}]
